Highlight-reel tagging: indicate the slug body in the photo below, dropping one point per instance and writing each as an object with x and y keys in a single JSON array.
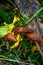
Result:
[
  {"x": 10, "y": 37},
  {"x": 35, "y": 37},
  {"x": 23, "y": 29},
  {"x": 30, "y": 33}
]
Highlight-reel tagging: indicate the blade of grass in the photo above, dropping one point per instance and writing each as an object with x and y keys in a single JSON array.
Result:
[{"x": 30, "y": 19}]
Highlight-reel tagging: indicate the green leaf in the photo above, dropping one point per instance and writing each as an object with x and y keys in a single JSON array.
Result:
[{"x": 3, "y": 31}]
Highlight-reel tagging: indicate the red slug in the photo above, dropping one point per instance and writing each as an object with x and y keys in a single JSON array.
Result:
[
  {"x": 23, "y": 29},
  {"x": 30, "y": 33},
  {"x": 35, "y": 37},
  {"x": 10, "y": 37}
]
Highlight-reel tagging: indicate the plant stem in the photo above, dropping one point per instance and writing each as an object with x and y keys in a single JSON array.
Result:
[{"x": 30, "y": 19}]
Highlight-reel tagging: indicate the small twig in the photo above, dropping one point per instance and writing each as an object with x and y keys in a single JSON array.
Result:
[
  {"x": 17, "y": 55},
  {"x": 14, "y": 61},
  {"x": 11, "y": 3},
  {"x": 4, "y": 6},
  {"x": 36, "y": 62},
  {"x": 2, "y": 44},
  {"x": 19, "y": 48},
  {"x": 1, "y": 56}
]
